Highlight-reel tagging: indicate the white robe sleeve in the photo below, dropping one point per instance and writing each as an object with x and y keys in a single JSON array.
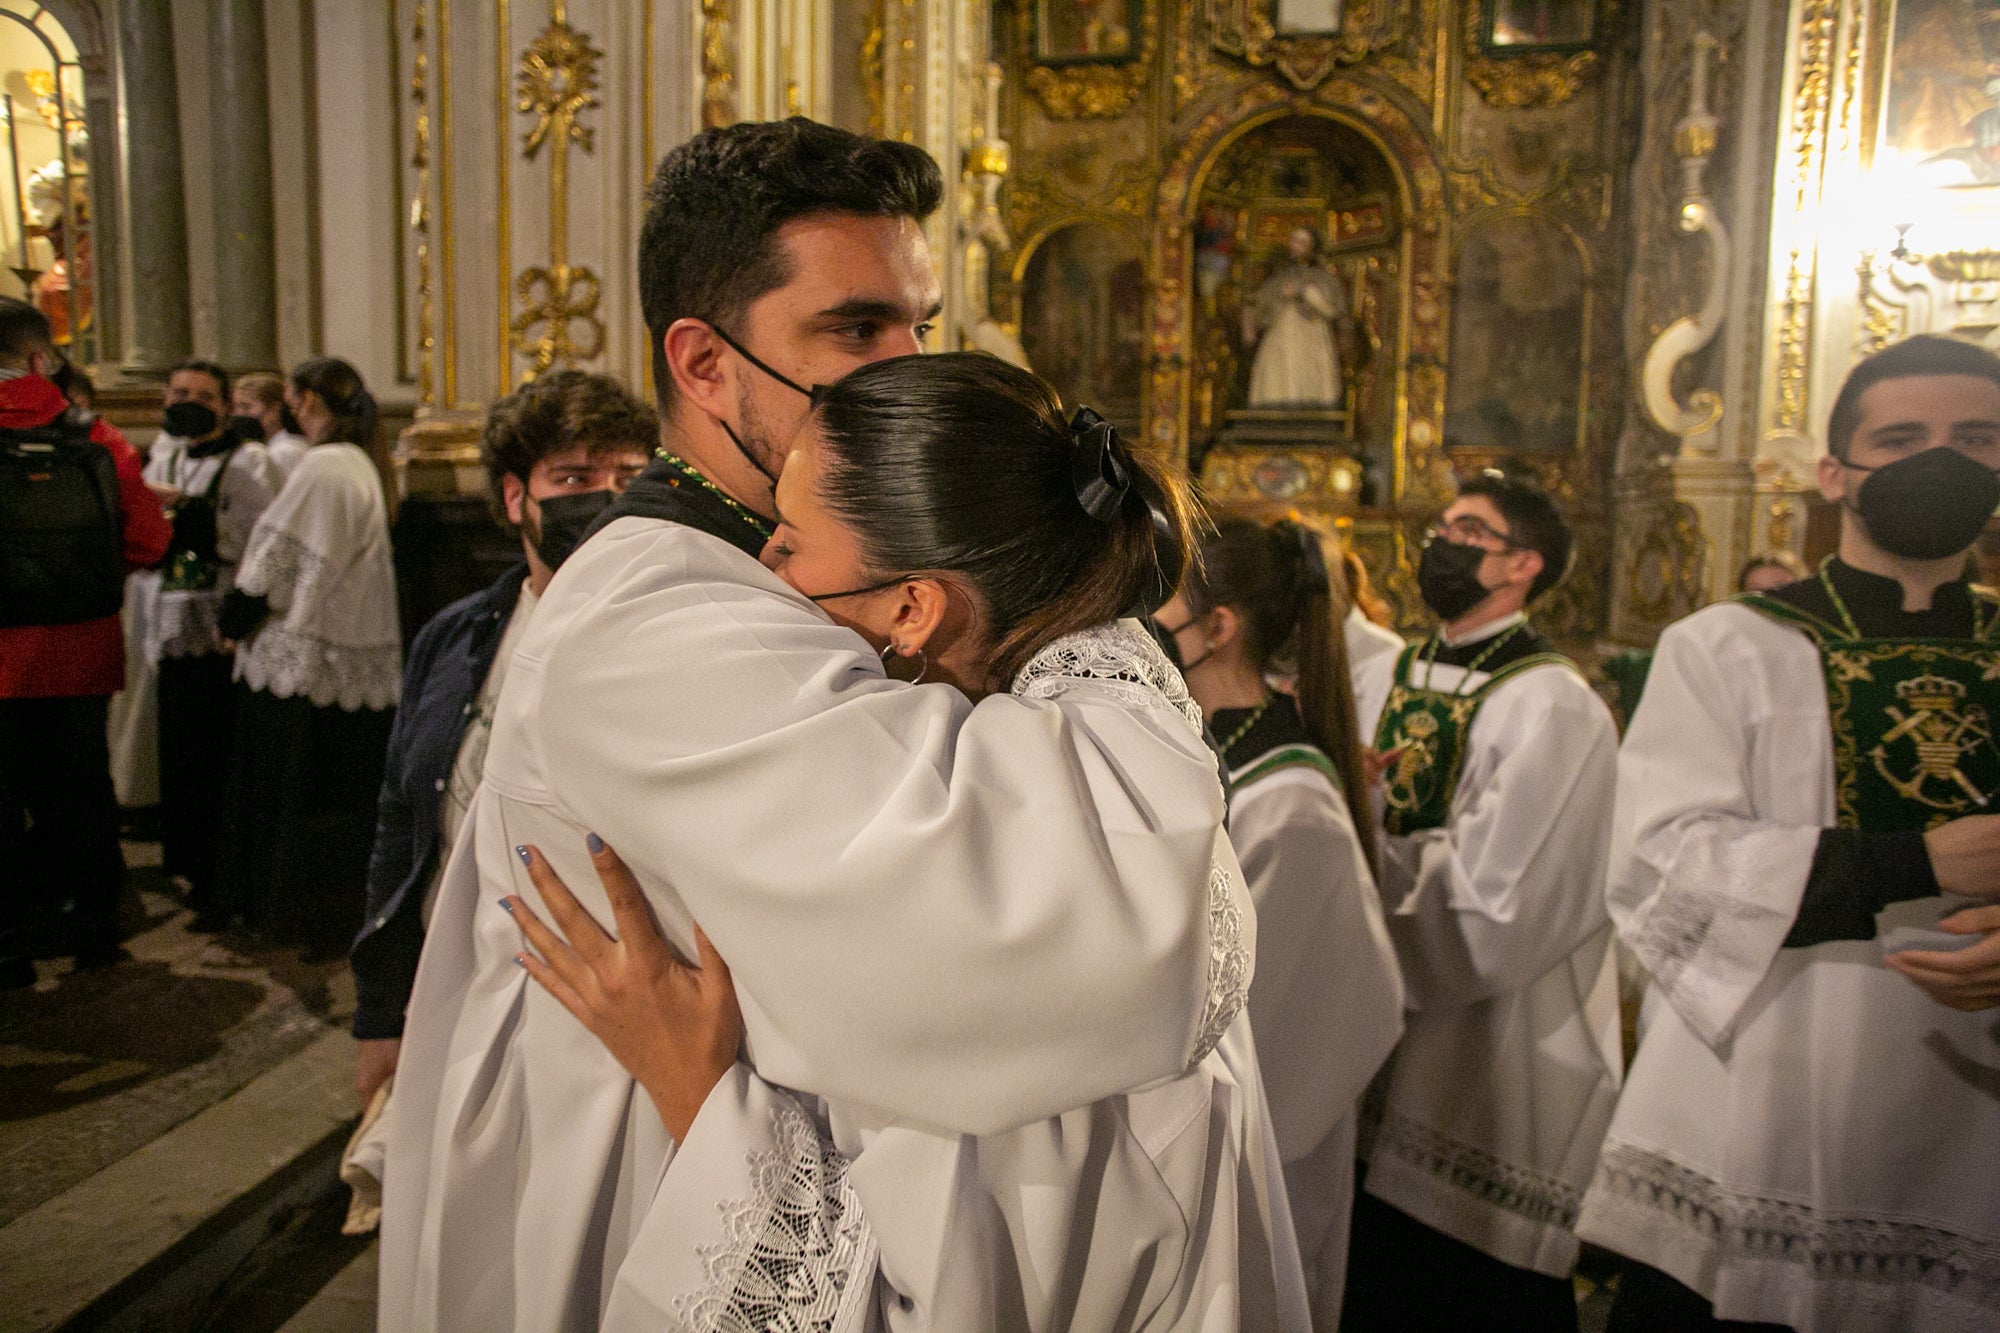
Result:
[
  {"x": 1327, "y": 1002},
  {"x": 967, "y": 918},
  {"x": 248, "y": 488},
  {"x": 1703, "y": 889},
  {"x": 1514, "y": 883},
  {"x": 755, "y": 1226}
]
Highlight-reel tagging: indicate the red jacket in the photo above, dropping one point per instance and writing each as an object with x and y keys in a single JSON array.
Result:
[{"x": 47, "y": 661}]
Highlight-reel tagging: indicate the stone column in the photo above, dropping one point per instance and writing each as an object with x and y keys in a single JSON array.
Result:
[
  {"x": 100, "y": 118},
  {"x": 239, "y": 118},
  {"x": 157, "y": 256}
]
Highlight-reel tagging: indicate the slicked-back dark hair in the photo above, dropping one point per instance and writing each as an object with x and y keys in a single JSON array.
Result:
[
  {"x": 560, "y": 410},
  {"x": 1533, "y": 521},
  {"x": 23, "y": 330},
  {"x": 708, "y": 246},
  {"x": 961, "y": 462},
  {"x": 211, "y": 369},
  {"x": 1924, "y": 354}
]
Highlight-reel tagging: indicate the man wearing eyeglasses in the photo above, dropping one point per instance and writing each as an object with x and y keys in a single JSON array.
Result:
[
  {"x": 1496, "y": 792},
  {"x": 1806, "y": 860}
]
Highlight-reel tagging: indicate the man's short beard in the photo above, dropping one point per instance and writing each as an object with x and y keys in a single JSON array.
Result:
[{"x": 755, "y": 438}]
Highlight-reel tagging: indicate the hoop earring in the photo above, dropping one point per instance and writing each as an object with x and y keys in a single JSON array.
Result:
[{"x": 923, "y": 662}]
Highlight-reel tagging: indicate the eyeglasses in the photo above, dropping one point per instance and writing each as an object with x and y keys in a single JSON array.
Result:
[{"x": 1467, "y": 530}]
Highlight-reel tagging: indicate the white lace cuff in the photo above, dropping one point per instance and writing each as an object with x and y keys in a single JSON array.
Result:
[{"x": 755, "y": 1227}]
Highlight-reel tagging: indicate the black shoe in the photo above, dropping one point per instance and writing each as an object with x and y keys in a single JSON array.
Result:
[{"x": 16, "y": 973}]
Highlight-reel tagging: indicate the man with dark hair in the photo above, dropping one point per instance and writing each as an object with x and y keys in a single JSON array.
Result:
[
  {"x": 215, "y": 485},
  {"x": 557, "y": 451},
  {"x": 59, "y": 666},
  {"x": 1805, "y": 864},
  {"x": 1497, "y": 792},
  {"x": 749, "y": 761}
]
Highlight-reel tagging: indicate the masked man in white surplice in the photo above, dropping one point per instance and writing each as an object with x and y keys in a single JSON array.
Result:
[
  {"x": 1497, "y": 810},
  {"x": 1808, "y": 1140},
  {"x": 957, "y": 917}
]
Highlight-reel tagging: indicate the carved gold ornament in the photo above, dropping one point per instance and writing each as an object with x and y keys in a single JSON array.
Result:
[
  {"x": 1243, "y": 29},
  {"x": 1547, "y": 78},
  {"x": 557, "y": 83},
  {"x": 718, "y": 92},
  {"x": 1094, "y": 90}
]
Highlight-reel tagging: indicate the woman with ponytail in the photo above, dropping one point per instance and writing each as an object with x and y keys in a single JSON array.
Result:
[
  {"x": 946, "y": 516},
  {"x": 1326, "y": 1005},
  {"x": 318, "y": 670}
]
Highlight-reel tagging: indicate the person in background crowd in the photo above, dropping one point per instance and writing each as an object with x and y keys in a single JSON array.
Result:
[
  {"x": 258, "y": 402},
  {"x": 62, "y": 657},
  {"x": 318, "y": 668},
  {"x": 215, "y": 486},
  {"x": 1804, "y": 862},
  {"x": 1497, "y": 798},
  {"x": 556, "y": 451},
  {"x": 1326, "y": 1001},
  {"x": 1772, "y": 569}
]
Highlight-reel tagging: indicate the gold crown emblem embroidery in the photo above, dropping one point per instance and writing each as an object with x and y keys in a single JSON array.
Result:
[{"x": 1931, "y": 694}]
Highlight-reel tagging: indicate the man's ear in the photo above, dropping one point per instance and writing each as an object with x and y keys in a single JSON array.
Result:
[
  {"x": 923, "y": 605},
  {"x": 694, "y": 358},
  {"x": 513, "y": 497},
  {"x": 1528, "y": 567},
  {"x": 1832, "y": 479}
]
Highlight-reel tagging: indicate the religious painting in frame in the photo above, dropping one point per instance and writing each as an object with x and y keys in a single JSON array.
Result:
[
  {"x": 1083, "y": 318},
  {"x": 1517, "y": 326},
  {"x": 1538, "y": 27},
  {"x": 1088, "y": 32},
  {"x": 1943, "y": 104}
]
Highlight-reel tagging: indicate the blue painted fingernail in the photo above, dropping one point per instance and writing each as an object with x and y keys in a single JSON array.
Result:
[
  {"x": 595, "y": 843},
  {"x": 522, "y": 852},
  {"x": 507, "y": 906}
]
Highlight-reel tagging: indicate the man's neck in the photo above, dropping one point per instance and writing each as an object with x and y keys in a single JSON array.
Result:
[
  {"x": 1486, "y": 616},
  {"x": 1920, "y": 578},
  {"x": 711, "y": 453}
]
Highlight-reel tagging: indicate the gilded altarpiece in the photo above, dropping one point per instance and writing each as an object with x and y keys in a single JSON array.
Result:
[{"x": 1343, "y": 167}]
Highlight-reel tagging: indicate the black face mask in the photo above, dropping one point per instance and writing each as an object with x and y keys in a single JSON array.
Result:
[
  {"x": 1169, "y": 639},
  {"x": 1448, "y": 577},
  {"x": 564, "y": 521},
  {"x": 812, "y": 396},
  {"x": 1927, "y": 506},
  {"x": 189, "y": 420},
  {"x": 246, "y": 428}
]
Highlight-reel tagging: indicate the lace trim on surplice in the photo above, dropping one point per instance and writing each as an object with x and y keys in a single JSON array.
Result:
[
  {"x": 1127, "y": 663},
  {"x": 1518, "y": 1189},
  {"x": 1749, "y": 1227},
  {"x": 790, "y": 1251}
]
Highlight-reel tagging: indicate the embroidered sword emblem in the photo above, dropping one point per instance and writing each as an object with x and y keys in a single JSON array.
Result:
[{"x": 1930, "y": 743}]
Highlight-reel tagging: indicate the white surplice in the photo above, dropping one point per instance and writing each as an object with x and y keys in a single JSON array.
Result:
[
  {"x": 182, "y": 622},
  {"x": 1805, "y": 1137},
  {"x": 947, "y": 920},
  {"x": 1495, "y": 1102},
  {"x": 1327, "y": 1002}
]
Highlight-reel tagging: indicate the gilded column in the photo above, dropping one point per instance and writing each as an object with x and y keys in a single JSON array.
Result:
[
  {"x": 158, "y": 252},
  {"x": 240, "y": 187}
]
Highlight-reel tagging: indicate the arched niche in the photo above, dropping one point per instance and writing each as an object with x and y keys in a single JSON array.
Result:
[
  {"x": 1082, "y": 293},
  {"x": 1282, "y": 332},
  {"x": 1518, "y": 379}
]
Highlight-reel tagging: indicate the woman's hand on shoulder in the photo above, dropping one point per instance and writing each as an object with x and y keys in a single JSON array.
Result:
[{"x": 674, "y": 1027}]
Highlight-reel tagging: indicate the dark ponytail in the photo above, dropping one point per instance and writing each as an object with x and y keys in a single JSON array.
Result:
[
  {"x": 959, "y": 462},
  {"x": 346, "y": 397},
  {"x": 1292, "y": 605}
]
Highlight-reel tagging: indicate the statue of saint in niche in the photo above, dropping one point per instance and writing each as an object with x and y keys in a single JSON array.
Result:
[{"x": 1293, "y": 320}]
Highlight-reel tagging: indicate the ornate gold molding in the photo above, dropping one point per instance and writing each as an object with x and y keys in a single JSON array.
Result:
[
  {"x": 420, "y": 212},
  {"x": 1810, "y": 108},
  {"x": 1512, "y": 82},
  {"x": 1243, "y": 29},
  {"x": 1092, "y": 91},
  {"x": 556, "y": 83},
  {"x": 718, "y": 80},
  {"x": 873, "y": 75}
]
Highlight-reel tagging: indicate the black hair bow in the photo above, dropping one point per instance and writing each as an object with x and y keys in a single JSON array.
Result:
[{"x": 1099, "y": 469}]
